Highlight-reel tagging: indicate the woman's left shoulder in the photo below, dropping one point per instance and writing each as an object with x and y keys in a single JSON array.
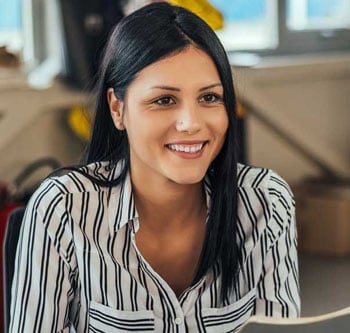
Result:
[
  {"x": 264, "y": 179},
  {"x": 265, "y": 201}
]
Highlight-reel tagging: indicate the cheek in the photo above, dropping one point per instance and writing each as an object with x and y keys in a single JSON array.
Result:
[
  {"x": 221, "y": 125},
  {"x": 144, "y": 133}
]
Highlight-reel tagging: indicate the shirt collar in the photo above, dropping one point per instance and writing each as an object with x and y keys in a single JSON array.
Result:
[{"x": 122, "y": 205}]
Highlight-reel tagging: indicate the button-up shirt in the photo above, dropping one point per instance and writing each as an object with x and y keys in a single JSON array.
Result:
[{"x": 78, "y": 268}]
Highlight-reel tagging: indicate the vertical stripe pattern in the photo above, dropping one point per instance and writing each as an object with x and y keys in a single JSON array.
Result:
[{"x": 78, "y": 268}]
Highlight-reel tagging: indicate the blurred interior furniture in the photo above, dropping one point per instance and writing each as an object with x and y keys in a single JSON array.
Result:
[
  {"x": 6, "y": 208},
  {"x": 298, "y": 114},
  {"x": 324, "y": 283},
  {"x": 86, "y": 25},
  {"x": 33, "y": 124},
  {"x": 10, "y": 244}
]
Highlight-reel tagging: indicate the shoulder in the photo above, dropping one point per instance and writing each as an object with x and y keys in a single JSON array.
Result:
[
  {"x": 265, "y": 201},
  {"x": 86, "y": 178},
  {"x": 63, "y": 192},
  {"x": 62, "y": 201},
  {"x": 263, "y": 178}
]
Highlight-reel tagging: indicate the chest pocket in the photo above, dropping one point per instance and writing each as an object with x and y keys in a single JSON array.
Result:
[
  {"x": 230, "y": 318},
  {"x": 105, "y": 319}
]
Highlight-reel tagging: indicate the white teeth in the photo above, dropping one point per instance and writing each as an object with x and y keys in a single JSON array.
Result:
[{"x": 187, "y": 149}]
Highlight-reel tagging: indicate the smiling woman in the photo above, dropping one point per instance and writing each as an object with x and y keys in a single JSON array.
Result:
[{"x": 160, "y": 229}]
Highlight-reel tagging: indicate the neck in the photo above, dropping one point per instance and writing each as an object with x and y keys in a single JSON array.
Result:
[{"x": 165, "y": 205}]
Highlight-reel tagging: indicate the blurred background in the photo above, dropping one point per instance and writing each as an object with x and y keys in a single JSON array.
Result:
[{"x": 291, "y": 67}]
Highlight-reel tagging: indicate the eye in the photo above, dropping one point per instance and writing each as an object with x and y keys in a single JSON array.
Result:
[
  {"x": 164, "y": 101},
  {"x": 210, "y": 98}
]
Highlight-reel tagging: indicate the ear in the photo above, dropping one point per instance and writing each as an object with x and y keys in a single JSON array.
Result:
[{"x": 116, "y": 109}]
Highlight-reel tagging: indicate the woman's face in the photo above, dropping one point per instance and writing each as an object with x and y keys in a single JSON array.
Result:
[{"x": 175, "y": 118}]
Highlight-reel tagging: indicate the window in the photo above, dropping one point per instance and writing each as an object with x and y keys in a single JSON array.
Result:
[
  {"x": 248, "y": 24},
  {"x": 270, "y": 27},
  {"x": 318, "y": 14},
  {"x": 10, "y": 24},
  {"x": 33, "y": 29},
  {"x": 311, "y": 26}
]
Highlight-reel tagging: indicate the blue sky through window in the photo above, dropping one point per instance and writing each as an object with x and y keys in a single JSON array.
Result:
[
  {"x": 10, "y": 14},
  {"x": 322, "y": 8},
  {"x": 319, "y": 8},
  {"x": 241, "y": 10}
]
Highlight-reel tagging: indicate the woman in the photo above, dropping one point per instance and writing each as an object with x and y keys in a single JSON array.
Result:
[{"x": 161, "y": 230}]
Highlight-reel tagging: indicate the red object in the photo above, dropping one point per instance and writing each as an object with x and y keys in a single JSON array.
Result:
[{"x": 5, "y": 212}]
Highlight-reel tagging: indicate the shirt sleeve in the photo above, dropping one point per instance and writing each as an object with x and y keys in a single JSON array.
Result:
[
  {"x": 278, "y": 287},
  {"x": 43, "y": 283}
]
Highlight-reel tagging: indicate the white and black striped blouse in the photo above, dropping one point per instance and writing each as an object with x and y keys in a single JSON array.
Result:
[{"x": 78, "y": 268}]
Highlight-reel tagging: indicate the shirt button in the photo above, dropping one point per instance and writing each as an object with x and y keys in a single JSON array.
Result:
[{"x": 178, "y": 321}]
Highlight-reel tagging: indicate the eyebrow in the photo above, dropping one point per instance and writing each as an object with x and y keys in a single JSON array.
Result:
[
  {"x": 211, "y": 86},
  {"x": 166, "y": 88},
  {"x": 177, "y": 89}
]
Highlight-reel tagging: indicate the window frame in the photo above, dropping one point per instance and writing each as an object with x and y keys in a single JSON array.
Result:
[{"x": 309, "y": 40}]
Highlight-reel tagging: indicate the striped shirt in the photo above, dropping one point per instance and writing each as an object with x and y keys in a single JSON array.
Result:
[{"x": 78, "y": 268}]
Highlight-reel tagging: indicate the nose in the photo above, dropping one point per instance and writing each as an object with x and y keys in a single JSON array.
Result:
[{"x": 189, "y": 120}]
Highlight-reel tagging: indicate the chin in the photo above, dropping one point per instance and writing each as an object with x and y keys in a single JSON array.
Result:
[{"x": 188, "y": 179}]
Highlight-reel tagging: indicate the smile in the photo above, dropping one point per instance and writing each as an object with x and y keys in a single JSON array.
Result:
[{"x": 186, "y": 148}]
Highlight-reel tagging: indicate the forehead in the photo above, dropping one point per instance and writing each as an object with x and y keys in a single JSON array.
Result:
[{"x": 189, "y": 67}]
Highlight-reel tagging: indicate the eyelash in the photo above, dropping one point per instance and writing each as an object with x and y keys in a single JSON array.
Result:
[
  {"x": 218, "y": 98},
  {"x": 159, "y": 101}
]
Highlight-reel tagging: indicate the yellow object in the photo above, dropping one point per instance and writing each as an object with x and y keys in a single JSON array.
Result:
[
  {"x": 240, "y": 110},
  {"x": 79, "y": 121},
  {"x": 204, "y": 9}
]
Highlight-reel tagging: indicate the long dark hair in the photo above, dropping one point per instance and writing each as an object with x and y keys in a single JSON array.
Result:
[{"x": 140, "y": 39}]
